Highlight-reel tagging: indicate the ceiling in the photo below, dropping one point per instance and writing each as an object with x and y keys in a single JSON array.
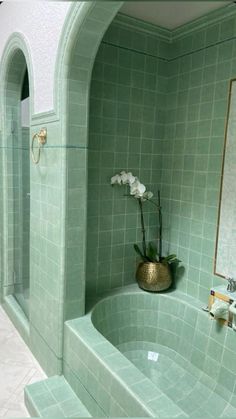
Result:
[{"x": 170, "y": 14}]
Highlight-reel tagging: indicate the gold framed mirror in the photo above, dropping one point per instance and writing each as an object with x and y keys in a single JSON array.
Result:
[{"x": 225, "y": 250}]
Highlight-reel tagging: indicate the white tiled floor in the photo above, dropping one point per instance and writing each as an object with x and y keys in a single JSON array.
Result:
[{"x": 18, "y": 367}]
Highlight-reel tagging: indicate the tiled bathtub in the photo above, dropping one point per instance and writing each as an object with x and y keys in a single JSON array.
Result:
[{"x": 139, "y": 354}]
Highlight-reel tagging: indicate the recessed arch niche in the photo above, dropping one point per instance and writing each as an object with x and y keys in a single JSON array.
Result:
[
  {"x": 15, "y": 105},
  {"x": 84, "y": 29}
]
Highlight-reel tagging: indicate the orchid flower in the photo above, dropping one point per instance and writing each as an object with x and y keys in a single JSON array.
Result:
[{"x": 137, "y": 189}]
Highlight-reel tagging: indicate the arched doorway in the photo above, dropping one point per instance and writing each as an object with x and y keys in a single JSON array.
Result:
[
  {"x": 16, "y": 180},
  {"x": 84, "y": 30}
]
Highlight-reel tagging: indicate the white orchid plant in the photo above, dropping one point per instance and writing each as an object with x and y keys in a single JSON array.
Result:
[
  {"x": 149, "y": 252},
  {"x": 137, "y": 189}
]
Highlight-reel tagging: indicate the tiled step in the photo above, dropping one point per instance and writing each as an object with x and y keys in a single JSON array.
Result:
[{"x": 54, "y": 397}]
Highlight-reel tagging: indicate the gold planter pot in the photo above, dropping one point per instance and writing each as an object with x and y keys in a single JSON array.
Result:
[{"x": 153, "y": 276}]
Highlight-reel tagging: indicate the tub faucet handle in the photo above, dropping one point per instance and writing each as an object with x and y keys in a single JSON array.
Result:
[{"x": 231, "y": 287}]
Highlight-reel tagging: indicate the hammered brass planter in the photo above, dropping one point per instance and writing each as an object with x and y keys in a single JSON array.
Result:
[{"x": 153, "y": 276}]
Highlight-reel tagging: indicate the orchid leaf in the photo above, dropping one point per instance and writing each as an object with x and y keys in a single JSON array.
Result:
[
  {"x": 171, "y": 259},
  {"x": 152, "y": 252},
  {"x": 138, "y": 251}
]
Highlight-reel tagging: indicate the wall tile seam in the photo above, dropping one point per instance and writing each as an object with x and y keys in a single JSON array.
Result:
[
  {"x": 59, "y": 358},
  {"x": 13, "y": 148},
  {"x": 171, "y": 60},
  {"x": 77, "y": 377},
  {"x": 205, "y": 47},
  {"x": 112, "y": 399},
  {"x": 134, "y": 50},
  {"x": 59, "y": 146}
]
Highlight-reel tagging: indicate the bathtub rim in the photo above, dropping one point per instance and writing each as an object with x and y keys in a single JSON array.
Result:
[{"x": 95, "y": 342}]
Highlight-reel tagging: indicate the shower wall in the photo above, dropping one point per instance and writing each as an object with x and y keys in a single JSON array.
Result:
[
  {"x": 202, "y": 64},
  {"x": 192, "y": 67},
  {"x": 126, "y": 131}
]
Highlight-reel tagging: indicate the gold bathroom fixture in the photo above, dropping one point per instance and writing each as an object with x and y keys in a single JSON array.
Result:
[
  {"x": 219, "y": 294},
  {"x": 41, "y": 136},
  {"x": 153, "y": 276}
]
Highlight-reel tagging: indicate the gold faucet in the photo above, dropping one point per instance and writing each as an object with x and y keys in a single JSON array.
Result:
[{"x": 231, "y": 287}]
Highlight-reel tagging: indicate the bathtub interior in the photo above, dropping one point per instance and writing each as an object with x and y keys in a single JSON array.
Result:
[{"x": 176, "y": 346}]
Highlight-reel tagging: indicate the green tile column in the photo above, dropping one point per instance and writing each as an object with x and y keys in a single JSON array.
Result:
[
  {"x": 47, "y": 276},
  {"x": 80, "y": 65}
]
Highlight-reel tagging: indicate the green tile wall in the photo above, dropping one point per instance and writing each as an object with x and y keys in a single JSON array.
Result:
[
  {"x": 46, "y": 212},
  {"x": 126, "y": 130},
  {"x": 46, "y": 209},
  {"x": 47, "y": 250},
  {"x": 192, "y": 68},
  {"x": 202, "y": 64},
  {"x": 58, "y": 194},
  {"x": 169, "y": 100}
]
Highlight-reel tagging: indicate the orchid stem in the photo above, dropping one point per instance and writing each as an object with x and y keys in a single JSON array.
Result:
[
  {"x": 143, "y": 227},
  {"x": 160, "y": 226}
]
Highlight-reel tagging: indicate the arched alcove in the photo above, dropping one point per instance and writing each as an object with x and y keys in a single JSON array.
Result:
[
  {"x": 15, "y": 106},
  {"x": 88, "y": 23},
  {"x": 84, "y": 29},
  {"x": 126, "y": 132}
]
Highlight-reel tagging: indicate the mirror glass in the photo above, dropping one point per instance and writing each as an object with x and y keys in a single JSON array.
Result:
[{"x": 225, "y": 260}]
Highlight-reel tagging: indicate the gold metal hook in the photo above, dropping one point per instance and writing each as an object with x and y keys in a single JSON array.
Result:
[{"x": 42, "y": 139}]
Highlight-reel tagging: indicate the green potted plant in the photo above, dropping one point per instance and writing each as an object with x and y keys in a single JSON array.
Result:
[{"x": 153, "y": 272}]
